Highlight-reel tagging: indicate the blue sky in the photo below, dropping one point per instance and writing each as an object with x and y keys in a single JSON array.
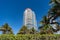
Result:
[{"x": 11, "y": 11}]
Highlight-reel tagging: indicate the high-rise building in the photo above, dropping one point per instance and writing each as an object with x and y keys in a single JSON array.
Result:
[{"x": 29, "y": 19}]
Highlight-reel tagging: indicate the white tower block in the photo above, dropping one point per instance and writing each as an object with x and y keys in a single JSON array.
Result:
[{"x": 29, "y": 19}]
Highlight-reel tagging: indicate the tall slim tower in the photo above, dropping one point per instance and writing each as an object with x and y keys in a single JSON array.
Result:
[{"x": 30, "y": 19}]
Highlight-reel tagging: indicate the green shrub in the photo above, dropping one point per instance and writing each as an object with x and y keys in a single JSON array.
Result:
[{"x": 30, "y": 37}]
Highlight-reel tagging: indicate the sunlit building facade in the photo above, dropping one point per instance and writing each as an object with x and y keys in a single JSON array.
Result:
[{"x": 29, "y": 19}]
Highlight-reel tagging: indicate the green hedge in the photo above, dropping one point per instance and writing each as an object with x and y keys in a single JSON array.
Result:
[{"x": 30, "y": 37}]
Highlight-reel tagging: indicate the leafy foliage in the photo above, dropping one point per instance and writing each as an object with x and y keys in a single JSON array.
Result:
[
  {"x": 46, "y": 28},
  {"x": 23, "y": 30},
  {"x": 30, "y": 37},
  {"x": 47, "y": 21},
  {"x": 6, "y": 29}
]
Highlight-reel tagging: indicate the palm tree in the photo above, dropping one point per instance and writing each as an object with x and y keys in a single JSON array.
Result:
[
  {"x": 2, "y": 29},
  {"x": 54, "y": 12},
  {"x": 32, "y": 31},
  {"x": 23, "y": 30},
  {"x": 57, "y": 28},
  {"x": 45, "y": 26},
  {"x": 7, "y": 29},
  {"x": 55, "y": 1}
]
